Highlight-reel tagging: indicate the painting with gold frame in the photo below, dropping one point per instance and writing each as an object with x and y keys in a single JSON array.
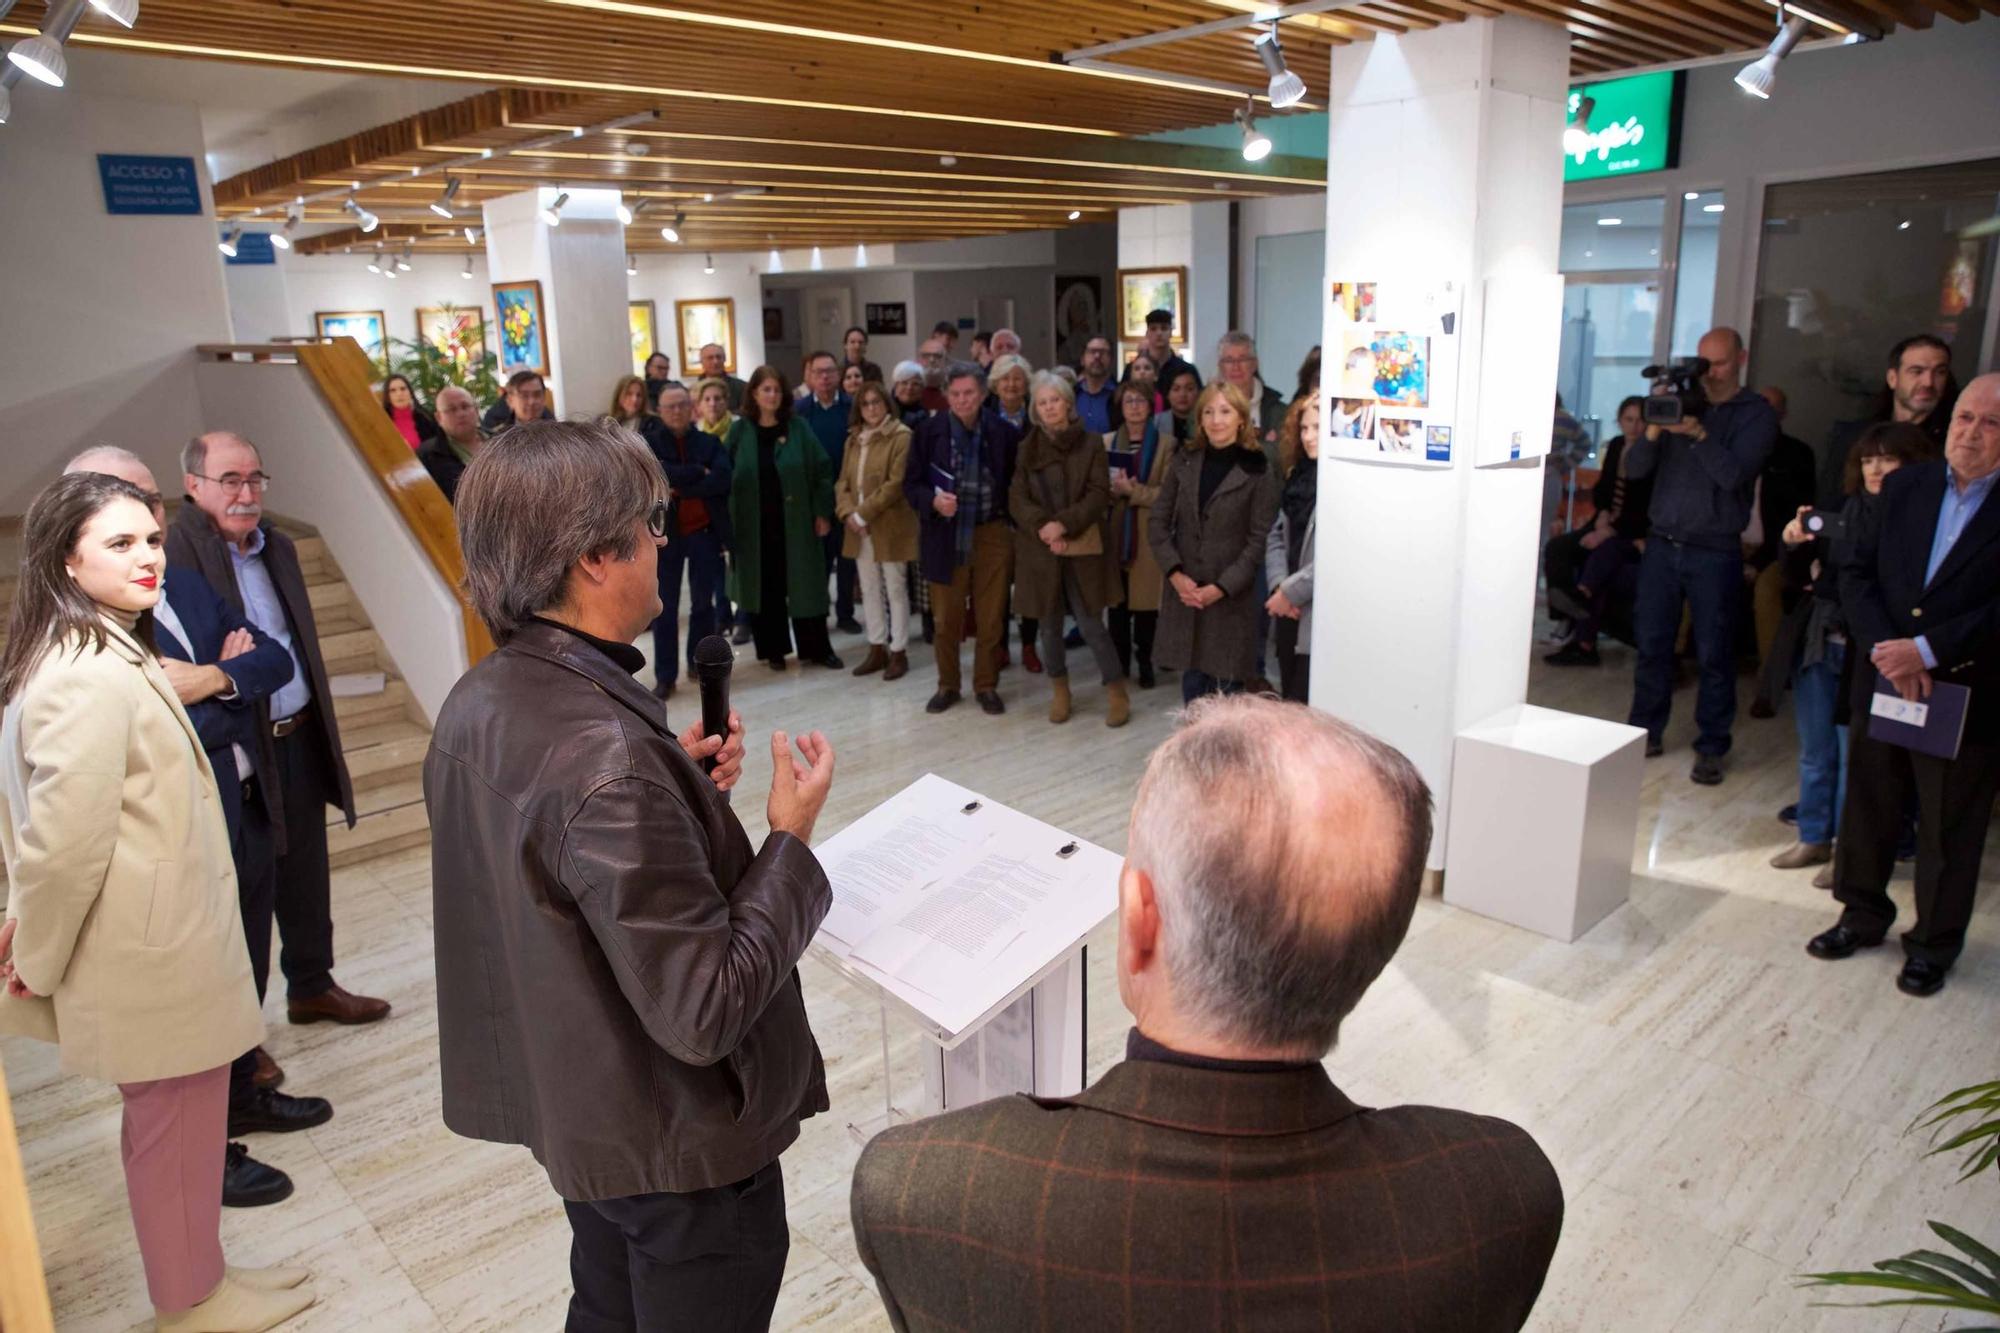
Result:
[
  {"x": 703, "y": 322},
  {"x": 645, "y": 325},
  {"x": 458, "y": 331},
  {"x": 367, "y": 327},
  {"x": 524, "y": 345},
  {"x": 1144, "y": 290}
]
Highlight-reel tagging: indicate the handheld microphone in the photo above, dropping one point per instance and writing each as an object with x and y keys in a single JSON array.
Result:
[{"x": 714, "y": 659}]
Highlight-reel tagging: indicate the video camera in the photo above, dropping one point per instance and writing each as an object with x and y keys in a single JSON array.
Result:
[{"x": 1677, "y": 391}]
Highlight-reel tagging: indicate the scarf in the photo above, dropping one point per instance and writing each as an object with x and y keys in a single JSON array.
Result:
[{"x": 1128, "y": 526}]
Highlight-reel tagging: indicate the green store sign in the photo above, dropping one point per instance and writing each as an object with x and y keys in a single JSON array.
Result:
[{"x": 1633, "y": 125}]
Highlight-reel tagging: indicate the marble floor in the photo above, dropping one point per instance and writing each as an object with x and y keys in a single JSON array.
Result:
[{"x": 1724, "y": 1111}]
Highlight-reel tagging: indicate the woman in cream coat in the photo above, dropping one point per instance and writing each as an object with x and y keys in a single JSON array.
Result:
[
  {"x": 880, "y": 528},
  {"x": 123, "y": 940}
]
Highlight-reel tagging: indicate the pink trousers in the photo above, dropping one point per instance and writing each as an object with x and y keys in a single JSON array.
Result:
[{"x": 175, "y": 1131}]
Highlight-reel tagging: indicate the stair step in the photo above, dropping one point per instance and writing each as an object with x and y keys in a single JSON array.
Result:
[
  {"x": 386, "y": 753},
  {"x": 391, "y": 705},
  {"x": 378, "y": 834},
  {"x": 384, "y": 798},
  {"x": 330, "y": 598},
  {"x": 350, "y": 650}
]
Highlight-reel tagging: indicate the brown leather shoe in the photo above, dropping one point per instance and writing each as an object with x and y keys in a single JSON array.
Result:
[
  {"x": 1802, "y": 854},
  {"x": 899, "y": 666},
  {"x": 1120, "y": 697},
  {"x": 268, "y": 1074},
  {"x": 336, "y": 1005},
  {"x": 878, "y": 657}
]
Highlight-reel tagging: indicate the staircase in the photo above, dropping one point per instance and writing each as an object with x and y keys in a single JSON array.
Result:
[{"x": 383, "y": 735}]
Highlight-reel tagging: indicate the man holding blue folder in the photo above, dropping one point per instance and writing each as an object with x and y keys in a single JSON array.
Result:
[{"x": 1922, "y": 594}]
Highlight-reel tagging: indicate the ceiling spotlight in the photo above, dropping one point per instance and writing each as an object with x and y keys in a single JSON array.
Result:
[
  {"x": 626, "y": 212},
  {"x": 1576, "y": 134},
  {"x": 466, "y": 272},
  {"x": 1075, "y": 213},
  {"x": 1256, "y": 143},
  {"x": 6, "y": 104},
  {"x": 708, "y": 264},
  {"x": 228, "y": 242},
  {"x": 472, "y": 235},
  {"x": 282, "y": 238},
  {"x": 374, "y": 263},
  {"x": 442, "y": 204},
  {"x": 553, "y": 213},
  {"x": 362, "y": 217},
  {"x": 403, "y": 260},
  {"x": 122, "y": 12},
  {"x": 671, "y": 233},
  {"x": 40, "y": 59},
  {"x": 1287, "y": 88},
  {"x": 1904, "y": 225},
  {"x": 1757, "y": 77},
  {"x": 389, "y": 271},
  {"x": 631, "y": 266}
]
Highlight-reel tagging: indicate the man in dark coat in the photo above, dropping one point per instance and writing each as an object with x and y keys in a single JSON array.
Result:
[
  {"x": 526, "y": 398},
  {"x": 1217, "y": 1178},
  {"x": 699, "y": 471},
  {"x": 961, "y": 466},
  {"x": 617, "y": 974},
  {"x": 1917, "y": 387},
  {"x": 1921, "y": 593},
  {"x": 446, "y": 455},
  {"x": 301, "y": 770}
]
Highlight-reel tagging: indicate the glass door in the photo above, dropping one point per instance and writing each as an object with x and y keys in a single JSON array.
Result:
[{"x": 1609, "y": 334}]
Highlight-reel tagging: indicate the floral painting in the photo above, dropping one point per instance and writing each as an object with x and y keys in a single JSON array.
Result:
[
  {"x": 523, "y": 332},
  {"x": 457, "y": 331},
  {"x": 645, "y": 333}
]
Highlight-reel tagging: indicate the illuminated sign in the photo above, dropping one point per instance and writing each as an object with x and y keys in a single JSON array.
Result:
[{"x": 1633, "y": 125}]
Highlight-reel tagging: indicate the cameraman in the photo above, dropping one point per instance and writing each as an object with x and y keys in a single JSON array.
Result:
[{"x": 1704, "y": 469}]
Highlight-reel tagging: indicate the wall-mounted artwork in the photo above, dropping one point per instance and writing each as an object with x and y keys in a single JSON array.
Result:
[
  {"x": 891, "y": 318},
  {"x": 524, "y": 333},
  {"x": 1079, "y": 314},
  {"x": 704, "y": 322},
  {"x": 645, "y": 322},
  {"x": 455, "y": 330},
  {"x": 1144, "y": 290},
  {"x": 364, "y": 326}
]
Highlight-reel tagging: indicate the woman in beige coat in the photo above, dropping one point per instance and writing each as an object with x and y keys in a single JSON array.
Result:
[
  {"x": 879, "y": 527},
  {"x": 123, "y": 940}
]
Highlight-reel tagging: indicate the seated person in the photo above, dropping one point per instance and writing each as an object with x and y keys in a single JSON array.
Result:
[
  {"x": 1217, "y": 1168},
  {"x": 1565, "y": 553},
  {"x": 1608, "y": 547}
]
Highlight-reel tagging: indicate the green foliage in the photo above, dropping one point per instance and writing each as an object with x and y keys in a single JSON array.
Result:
[
  {"x": 431, "y": 369},
  {"x": 1930, "y": 1277}
]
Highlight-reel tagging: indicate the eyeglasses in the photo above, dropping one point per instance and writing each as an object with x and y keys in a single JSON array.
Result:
[
  {"x": 236, "y": 481},
  {"x": 656, "y": 518},
  {"x": 1237, "y": 361}
]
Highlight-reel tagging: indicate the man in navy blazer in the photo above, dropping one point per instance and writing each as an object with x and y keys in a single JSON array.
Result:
[
  {"x": 1921, "y": 593},
  {"x": 221, "y": 665},
  {"x": 961, "y": 465}
]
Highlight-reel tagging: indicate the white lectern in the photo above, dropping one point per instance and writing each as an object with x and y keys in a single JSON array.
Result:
[{"x": 967, "y": 920}]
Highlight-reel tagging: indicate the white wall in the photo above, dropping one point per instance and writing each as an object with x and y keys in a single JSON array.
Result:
[
  {"x": 1194, "y": 236},
  {"x": 666, "y": 278},
  {"x": 325, "y": 483},
  {"x": 1283, "y": 215},
  {"x": 99, "y": 314},
  {"x": 1920, "y": 97},
  {"x": 342, "y": 282}
]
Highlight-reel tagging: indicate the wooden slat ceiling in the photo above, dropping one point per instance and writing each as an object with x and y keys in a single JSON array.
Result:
[{"x": 836, "y": 113}]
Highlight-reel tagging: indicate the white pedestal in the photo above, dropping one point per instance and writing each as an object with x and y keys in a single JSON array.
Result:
[{"x": 1544, "y": 809}]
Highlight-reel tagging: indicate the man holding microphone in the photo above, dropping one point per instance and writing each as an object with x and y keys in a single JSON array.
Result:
[{"x": 616, "y": 964}]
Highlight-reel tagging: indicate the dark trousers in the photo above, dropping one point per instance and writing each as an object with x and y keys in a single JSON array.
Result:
[
  {"x": 1607, "y": 572},
  {"x": 710, "y": 1260},
  {"x": 305, "y": 891},
  {"x": 1294, "y": 666},
  {"x": 1194, "y": 684},
  {"x": 773, "y": 628},
  {"x": 845, "y": 577},
  {"x": 1954, "y": 807},
  {"x": 1132, "y": 635},
  {"x": 1562, "y": 559},
  {"x": 1710, "y": 582},
  {"x": 699, "y": 554},
  {"x": 255, "y": 854}
]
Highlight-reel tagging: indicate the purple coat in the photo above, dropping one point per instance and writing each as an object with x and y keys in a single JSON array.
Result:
[{"x": 930, "y": 443}]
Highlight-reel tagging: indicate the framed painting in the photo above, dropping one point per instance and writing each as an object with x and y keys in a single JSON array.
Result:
[
  {"x": 1079, "y": 314},
  {"x": 455, "y": 330},
  {"x": 366, "y": 327},
  {"x": 704, "y": 322},
  {"x": 644, "y": 320},
  {"x": 524, "y": 334},
  {"x": 1143, "y": 290}
]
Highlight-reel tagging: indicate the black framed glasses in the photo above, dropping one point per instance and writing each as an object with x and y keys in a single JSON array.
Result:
[
  {"x": 656, "y": 518},
  {"x": 236, "y": 481}
]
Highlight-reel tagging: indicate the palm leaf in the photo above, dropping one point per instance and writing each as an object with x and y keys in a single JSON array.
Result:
[
  {"x": 1981, "y": 1100},
  {"x": 1927, "y": 1277}
]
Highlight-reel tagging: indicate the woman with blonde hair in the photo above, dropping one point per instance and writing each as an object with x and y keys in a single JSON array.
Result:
[
  {"x": 1059, "y": 498},
  {"x": 711, "y": 408},
  {"x": 880, "y": 528},
  {"x": 1288, "y": 551},
  {"x": 1209, "y": 525},
  {"x": 629, "y": 407},
  {"x": 123, "y": 939}
]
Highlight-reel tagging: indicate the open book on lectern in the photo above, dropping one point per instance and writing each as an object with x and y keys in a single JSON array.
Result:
[{"x": 953, "y": 904}]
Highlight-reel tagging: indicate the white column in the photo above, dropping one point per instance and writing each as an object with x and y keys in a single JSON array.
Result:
[
  {"x": 581, "y": 266},
  {"x": 1444, "y": 162},
  {"x": 1190, "y": 236}
]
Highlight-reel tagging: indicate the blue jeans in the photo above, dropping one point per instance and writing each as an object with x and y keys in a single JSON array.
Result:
[
  {"x": 1822, "y": 757},
  {"x": 1195, "y": 684},
  {"x": 701, "y": 556},
  {"x": 1711, "y": 583}
]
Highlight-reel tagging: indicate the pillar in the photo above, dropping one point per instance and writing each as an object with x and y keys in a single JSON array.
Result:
[
  {"x": 581, "y": 267},
  {"x": 1444, "y": 163}
]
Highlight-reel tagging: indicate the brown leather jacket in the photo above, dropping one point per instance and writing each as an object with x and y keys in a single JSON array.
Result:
[{"x": 616, "y": 966}]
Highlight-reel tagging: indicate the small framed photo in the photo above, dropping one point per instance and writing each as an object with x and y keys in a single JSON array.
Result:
[
  {"x": 703, "y": 322},
  {"x": 524, "y": 334},
  {"x": 1144, "y": 290}
]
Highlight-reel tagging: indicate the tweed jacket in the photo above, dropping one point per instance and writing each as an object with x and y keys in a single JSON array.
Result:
[
  {"x": 119, "y": 872},
  {"x": 1172, "y": 1197},
  {"x": 1221, "y": 543}
]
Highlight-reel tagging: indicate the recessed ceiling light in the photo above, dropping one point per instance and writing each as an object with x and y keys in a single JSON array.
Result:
[
  {"x": 947, "y": 160},
  {"x": 1904, "y": 225},
  {"x": 1712, "y": 208},
  {"x": 1075, "y": 213},
  {"x": 1692, "y": 195},
  {"x": 1611, "y": 222}
]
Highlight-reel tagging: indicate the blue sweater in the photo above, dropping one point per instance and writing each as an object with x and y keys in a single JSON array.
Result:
[{"x": 1702, "y": 489}]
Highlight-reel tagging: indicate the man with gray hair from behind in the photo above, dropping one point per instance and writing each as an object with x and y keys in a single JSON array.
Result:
[{"x": 1216, "y": 1178}]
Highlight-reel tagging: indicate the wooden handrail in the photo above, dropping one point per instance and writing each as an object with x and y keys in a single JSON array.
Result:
[
  {"x": 346, "y": 380},
  {"x": 24, "y": 1293}
]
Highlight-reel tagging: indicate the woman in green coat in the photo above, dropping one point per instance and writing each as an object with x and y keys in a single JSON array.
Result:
[{"x": 781, "y": 507}]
